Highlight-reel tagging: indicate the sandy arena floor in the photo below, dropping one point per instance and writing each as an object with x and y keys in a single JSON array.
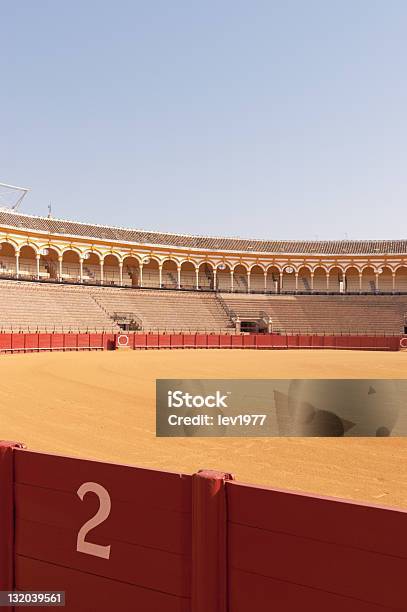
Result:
[{"x": 102, "y": 405}]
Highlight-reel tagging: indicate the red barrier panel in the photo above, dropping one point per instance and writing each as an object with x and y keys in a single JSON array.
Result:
[
  {"x": 329, "y": 342},
  {"x": 140, "y": 341},
  {"x": 317, "y": 341},
  {"x": 177, "y": 341},
  {"x": 95, "y": 340},
  {"x": 224, "y": 341},
  {"x": 6, "y": 517},
  {"x": 152, "y": 340},
  {"x": 249, "y": 341},
  {"x": 5, "y": 342},
  {"x": 341, "y": 342},
  {"x": 264, "y": 341},
  {"x": 164, "y": 341},
  {"x": 213, "y": 341},
  {"x": 45, "y": 341},
  {"x": 201, "y": 341},
  {"x": 236, "y": 341},
  {"x": 304, "y": 341},
  {"x": 292, "y": 341},
  {"x": 56, "y": 341},
  {"x": 279, "y": 341},
  {"x": 31, "y": 342},
  {"x": 138, "y": 550},
  {"x": 83, "y": 341},
  {"x": 296, "y": 552},
  {"x": 189, "y": 340},
  {"x": 17, "y": 342},
  {"x": 70, "y": 341}
]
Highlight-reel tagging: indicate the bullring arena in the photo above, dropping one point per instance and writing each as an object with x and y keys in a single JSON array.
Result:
[{"x": 170, "y": 538}]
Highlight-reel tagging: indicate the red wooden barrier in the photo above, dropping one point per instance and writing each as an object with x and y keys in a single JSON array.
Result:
[
  {"x": 177, "y": 341},
  {"x": 224, "y": 341},
  {"x": 69, "y": 341},
  {"x": 7, "y": 505},
  {"x": 31, "y": 342},
  {"x": 189, "y": 341},
  {"x": 236, "y": 341},
  {"x": 56, "y": 341},
  {"x": 201, "y": 341},
  {"x": 213, "y": 341},
  {"x": 152, "y": 340},
  {"x": 82, "y": 340},
  {"x": 249, "y": 341},
  {"x": 17, "y": 342},
  {"x": 289, "y": 551},
  {"x": 141, "y": 535},
  {"x": 45, "y": 341},
  {"x": 164, "y": 341},
  {"x": 140, "y": 341},
  {"x": 292, "y": 341},
  {"x": 122, "y": 538},
  {"x": 5, "y": 342},
  {"x": 279, "y": 341}
]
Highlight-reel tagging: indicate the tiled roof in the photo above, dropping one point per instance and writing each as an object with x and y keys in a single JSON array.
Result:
[{"x": 59, "y": 227}]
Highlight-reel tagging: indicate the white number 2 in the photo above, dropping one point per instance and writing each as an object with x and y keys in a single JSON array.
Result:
[{"x": 101, "y": 515}]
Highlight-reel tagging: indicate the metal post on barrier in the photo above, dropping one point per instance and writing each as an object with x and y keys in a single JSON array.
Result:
[
  {"x": 7, "y": 515},
  {"x": 209, "y": 541}
]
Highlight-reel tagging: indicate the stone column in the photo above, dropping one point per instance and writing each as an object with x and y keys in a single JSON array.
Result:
[
  {"x": 360, "y": 282},
  {"x": 281, "y": 282},
  {"x": 248, "y": 281},
  {"x": 102, "y": 263},
  {"x": 17, "y": 264},
  {"x": 141, "y": 274},
  {"x": 81, "y": 270},
  {"x": 37, "y": 257},
  {"x": 121, "y": 273},
  {"x": 60, "y": 259},
  {"x": 179, "y": 276},
  {"x": 197, "y": 278},
  {"x": 393, "y": 278},
  {"x": 377, "y": 282},
  {"x": 296, "y": 281},
  {"x": 160, "y": 275},
  {"x": 232, "y": 280},
  {"x": 214, "y": 279},
  {"x": 312, "y": 282}
]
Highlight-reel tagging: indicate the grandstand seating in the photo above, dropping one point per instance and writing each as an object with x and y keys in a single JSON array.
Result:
[
  {"x": 323, "y": 314},
  {"x": 167, "y": 310},
  {"x": 32, "y": 306},
  {"x": 44, "y": 307},
  {"x": 48, "y": 307}
]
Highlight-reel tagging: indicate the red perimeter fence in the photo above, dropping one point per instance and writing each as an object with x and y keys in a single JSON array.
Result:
[
  {"x": 28, "y": 343},
  {"x": 124, "y": 538}
]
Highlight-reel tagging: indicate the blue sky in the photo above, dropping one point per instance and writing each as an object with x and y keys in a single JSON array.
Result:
[{"x": 245, "y": 118}]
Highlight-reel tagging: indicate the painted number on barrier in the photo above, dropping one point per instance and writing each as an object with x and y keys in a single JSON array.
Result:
[{"x": 105, "y": 505}]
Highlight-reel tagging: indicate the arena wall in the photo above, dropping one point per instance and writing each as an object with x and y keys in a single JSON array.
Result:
[
  {"x": 181, "y": 543},
  {"x": 33, "y": 343}
]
